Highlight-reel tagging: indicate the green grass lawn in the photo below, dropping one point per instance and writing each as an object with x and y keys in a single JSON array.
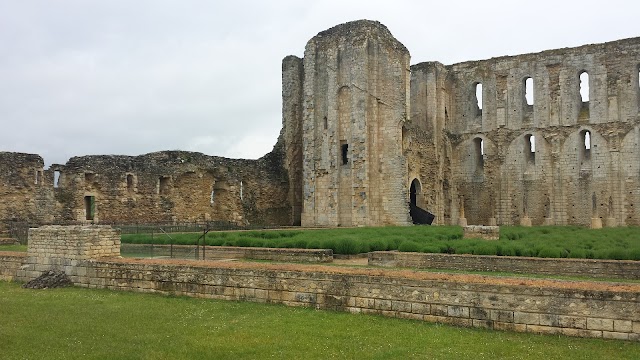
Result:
[
  {"x": 542, "y": 241},
  {"x": 13, "y": 248},
  {"x": 76, "y": 323}
]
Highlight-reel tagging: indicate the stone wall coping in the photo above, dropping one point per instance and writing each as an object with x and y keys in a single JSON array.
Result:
[
  {"x": 235, "y": 248},
  {"x": 18, "y": 254},
  {"x": 592, "y": 261},
  {"x": 569, "y": 285}
]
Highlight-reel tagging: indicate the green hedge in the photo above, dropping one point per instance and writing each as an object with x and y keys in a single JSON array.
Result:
[{"x": 545, "y": 241}]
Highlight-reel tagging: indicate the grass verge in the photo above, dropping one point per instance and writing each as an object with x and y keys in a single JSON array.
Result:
[
  {"x": 22, "y": 248},
  {"x": 75, "y": 323}
]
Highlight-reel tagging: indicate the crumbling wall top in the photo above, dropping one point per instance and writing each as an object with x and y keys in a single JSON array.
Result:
[{"x": 356, "y": 31}]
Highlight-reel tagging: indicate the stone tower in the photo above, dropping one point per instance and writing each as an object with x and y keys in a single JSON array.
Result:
[{"x": 355, "y": 99}]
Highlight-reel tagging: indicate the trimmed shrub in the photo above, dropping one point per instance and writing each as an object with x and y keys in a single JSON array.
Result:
[
  {"x": 409, "y": 246},
  {"x": 578, "y": 254},
  {"x": 378, "y": 245},
  {"x": 315, "y": 244},
  {"x": 430, "y": 249},
  {"x": 634, "y": 254},
  {"x": 244, "y": 242},
  {"x": 347, "y": 246},
  {"x": 617, "y": 254},
  {"x": 550, "y": 252},
  {"x": 485, "y": 249}
]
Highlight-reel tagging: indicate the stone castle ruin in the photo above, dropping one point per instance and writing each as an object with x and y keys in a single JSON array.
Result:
[{"x": 368, "y": 139}]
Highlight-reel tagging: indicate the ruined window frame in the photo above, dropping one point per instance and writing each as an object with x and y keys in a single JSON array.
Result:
[
  {"x": 89, "y": 177},
  {"x": 39, "y": 174},
  {"x": 478, "y": 151},
  {"x": 344, "y": 152},
  {"x": 478, "y": 88},
  {"x": 587, "y": 88},
  {"x": 57, "y": 176},
  {"x": 586, "y": 144},
  {"x": 90, "y": 207},
  {"x": 130, "y": 181},
  {"x": 530, "y": 148},
  {"x": 164, "y": 185},
  {"x": 525, "y": 87}
]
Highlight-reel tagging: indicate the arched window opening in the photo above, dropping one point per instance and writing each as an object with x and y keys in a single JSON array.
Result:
[
  {"x": 586, "y": 145},
  {"x": 528, "y": 90},
  {"x": 56, "y": 179},
  {"x": 587, "y": 140},
  {"x": 584, "y": 86},
  {"x": 478, "y": 144},
  {"x": 241, "y": 190},
  {"x": 530, "y": 148},
  {"x": 478, "y": 92}
]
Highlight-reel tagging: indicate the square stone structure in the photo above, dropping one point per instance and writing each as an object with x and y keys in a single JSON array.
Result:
[{"x": 56, "y": 247}]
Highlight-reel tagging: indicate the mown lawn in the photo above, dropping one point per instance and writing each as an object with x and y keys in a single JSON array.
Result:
[
  {"x": 13, "y": 247},
  {"x": 542, "y": 241},
  {"x": 76, "y": 323}
]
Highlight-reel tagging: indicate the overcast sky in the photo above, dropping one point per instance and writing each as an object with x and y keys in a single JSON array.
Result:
[{"x": 87, "y": 77}]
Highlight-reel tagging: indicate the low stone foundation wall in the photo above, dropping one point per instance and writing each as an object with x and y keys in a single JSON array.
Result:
[
  {"x": 576, "y": 308},
  {"x": 586, "y": 309},
  {"x": 10, "y": 263},
  {"x": 234, "y": 252},
  {"x": 612, "y": 269},
  {"x": 481, "y": 232}
]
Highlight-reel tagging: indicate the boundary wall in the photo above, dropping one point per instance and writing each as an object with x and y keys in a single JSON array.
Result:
[
  {"x": 236, "y": 252},
  {"x": 575, "y": 308},
  {"x": 607, "y": 269}
]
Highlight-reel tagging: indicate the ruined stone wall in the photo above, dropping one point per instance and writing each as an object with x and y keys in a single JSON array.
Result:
[
  {"x": 291, "y": 133},
  {"x": 21, "y": 181},
  {"x": 425, "y": 144},
  {"x": 10, "y": 263},
  {"x": 604, "y": 269},
  {"x": 497, "y": 176},
  {"x": 169, "y": 186},
  {"x": 356, "y": 80},
  {"x": 587, "y": 309}
]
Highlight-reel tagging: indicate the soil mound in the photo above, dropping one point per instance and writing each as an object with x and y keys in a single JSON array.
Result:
[{"x": 49, "y": 280}]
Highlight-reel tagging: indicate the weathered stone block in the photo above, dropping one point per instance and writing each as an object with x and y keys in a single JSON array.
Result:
[{"x": 599, "y": 324}]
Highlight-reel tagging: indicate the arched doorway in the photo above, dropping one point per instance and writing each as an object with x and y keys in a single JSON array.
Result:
[
  {"x": 418, "y": 215},
  {"x": 414, "y": 191}
]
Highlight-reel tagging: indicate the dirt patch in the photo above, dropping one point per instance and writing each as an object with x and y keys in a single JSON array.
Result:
[{"x": 49, "y": 280}]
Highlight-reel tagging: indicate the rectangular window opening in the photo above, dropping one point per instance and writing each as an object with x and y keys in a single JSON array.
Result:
[
  {"x": 478, "y": 92},
  {"x": 163, "y": 185},
  {"x": 38, "y": 177},
  {"x": 129, "y": 182},
  {"x": 90, "y": 207},
  {"x": 345, "y": 153},
  {"x": 56, "y": 179}
]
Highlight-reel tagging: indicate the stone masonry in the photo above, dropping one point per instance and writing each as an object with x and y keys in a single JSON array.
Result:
[{"x": 549, "y": 138}]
